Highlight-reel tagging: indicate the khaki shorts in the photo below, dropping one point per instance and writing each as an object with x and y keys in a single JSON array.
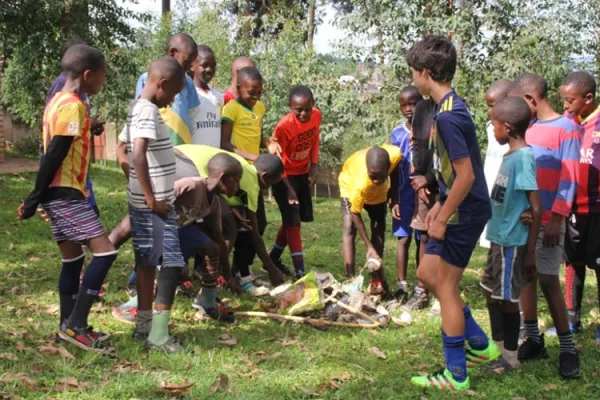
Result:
[{"x": 421, "y": 210}]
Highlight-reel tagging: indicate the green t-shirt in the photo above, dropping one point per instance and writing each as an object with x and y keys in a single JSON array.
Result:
[{"x": 249, "y": 188}]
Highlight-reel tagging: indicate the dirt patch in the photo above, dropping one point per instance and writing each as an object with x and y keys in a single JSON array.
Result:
[{"x": 18, "y": 165}]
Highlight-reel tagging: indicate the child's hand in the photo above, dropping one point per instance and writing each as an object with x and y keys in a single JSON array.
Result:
[
  {"x": 160, "y": 206},
  {"x": 529, "y": 265},
  {"x": 396, "y": 211},
  {"x": 424, "y": 195},
  {"x": 312, "y": 175},
  {"x": 418, "y": 182},
  {"x": 527, "y": 217},
  {"x": 20, "y": 211},
  {"x": 432, "y": 215},
  {"x": 292, "y": 197},
  {"x": 23, "y": 213},
  {"x": 245, "y": 223},
  {"x": 437, "y": 229},
  {"x": 97, "y": 126},
  {"x": 372, "y": 253},
  {"x": 274, "y": 147}
]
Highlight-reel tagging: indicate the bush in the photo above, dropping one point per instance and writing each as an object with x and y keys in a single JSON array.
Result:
[{"x": 28, "y": 147}]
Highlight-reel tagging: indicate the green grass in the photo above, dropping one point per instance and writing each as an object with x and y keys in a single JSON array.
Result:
[{"x": 29, "y": 268}]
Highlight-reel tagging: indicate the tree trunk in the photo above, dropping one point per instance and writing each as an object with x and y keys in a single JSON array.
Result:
[
  {"x": 166, "y": 6},
  {"x": 312, "y": 5}
]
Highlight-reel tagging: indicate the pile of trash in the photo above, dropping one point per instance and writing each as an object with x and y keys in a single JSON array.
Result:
[{"x": 318, "y": 299}]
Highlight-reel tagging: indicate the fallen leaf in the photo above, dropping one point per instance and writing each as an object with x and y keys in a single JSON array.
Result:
[
  {"x": 45, "y": 349},
  {"x": 306, "y": 391},
  {"x": 177, "y": 389},
  {"x": 36, "y": 259},
  {"x": 53, "y": 309},
  {"x": 250, "y": 374},
  {"x": 189, "y": 366},
  {"x": 221, "y": 383},
  {"x": 276, "y": 355},
  {"x": 64, "y": 353},
  {"x": 21, "y": 347},
  {"x": 471, "y": 393},
  {"x": 518, "y": 398},
  {"x": 9, "y": 356},
  {"x": 227, "y": 340},
  {"x": 378, "y": 353},
  {"x": 550, "y": 386},
  {"x": 69, "y": 381},
  {"x": 499, "y": 370},
  {"x": 372, "y": 332},
  {"x": 7, "y": 395},
  {"x": 11, "y": 246},
  {"x": 245, "y": 359},
  {"x": 125, "y": 366},
  {"x": 260, "y": 353}
]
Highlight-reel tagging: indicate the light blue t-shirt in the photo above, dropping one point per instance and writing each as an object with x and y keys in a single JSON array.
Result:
[{"x": 509, "y": 198}]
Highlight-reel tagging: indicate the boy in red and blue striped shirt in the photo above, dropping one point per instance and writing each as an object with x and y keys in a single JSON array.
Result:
[{"x": 555, "y": 141}]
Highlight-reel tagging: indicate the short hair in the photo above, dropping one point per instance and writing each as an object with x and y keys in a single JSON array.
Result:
[
  {"x": 70, "y": 43},
  {"x": 223, "y": 163},
  {"x": 204, "y": 49},
  {"x": 435, "y": 53},
  {"x": 269, "y": 164},
  {"x": 529, "y": 82},
  {"x": 80, "y": 58},
  {"x": 500, "y": 87},
  {"x": 182, "y": 41},
  {"x": 584, "y": 82},
  {"x": 301, "y": 91},
  {"x": 249, "y": 74},
  {"x": 514, "y": 111},
  {"x": 410, "y": 90},
  {"x": 241, "y": 62},
  {"x": 378, "y": 157},
  {"x": 166, "y": 67}
]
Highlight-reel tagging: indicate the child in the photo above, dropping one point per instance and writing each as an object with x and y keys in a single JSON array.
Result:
[
  {"x": 582, "y": 241},
  {"x": 495, "y": 151},
  {"x": 456, "y": 221},
  {"x": 424, "y": 184},
  {"x": 236, "y": 66},
  {"x": 208, "y": 127},
  {"x": 151, "y": 195},
  {"x": 511, "y": 258},
  {"x": 60, "y": 187},
  {"x": 404, "y": 203},
  {"x": 298, "y": 135},
  {"x": 555, "y": 141},
  {"x": 364, "y": 183}
]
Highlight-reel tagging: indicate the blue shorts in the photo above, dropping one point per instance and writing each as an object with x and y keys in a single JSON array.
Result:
[
  {"x": 458, "y": 244},
  {"x": 191, "y": 240},
  {"x": 402, "y": 228},
  {"x": 155, "y": 238}
]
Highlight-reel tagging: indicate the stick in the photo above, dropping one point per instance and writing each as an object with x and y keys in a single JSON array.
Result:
[
  {"x": 354, "y": 311},
  {"x": 303, "y": 319}
]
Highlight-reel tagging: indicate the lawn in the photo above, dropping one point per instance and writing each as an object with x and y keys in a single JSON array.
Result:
[{"x": 269, "y": 361}]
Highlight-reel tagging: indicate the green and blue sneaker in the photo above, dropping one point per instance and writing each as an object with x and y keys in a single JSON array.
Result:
[
  {"x": 477, "y": 358},
  {"x": 442, "y": 380}
]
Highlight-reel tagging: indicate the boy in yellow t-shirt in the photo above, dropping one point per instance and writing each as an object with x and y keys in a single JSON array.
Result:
[{"x": 364, "y": 183}]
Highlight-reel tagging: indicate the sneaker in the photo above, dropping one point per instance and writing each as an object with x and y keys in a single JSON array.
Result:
[
  {"x": 220, "y": 314},
  {"x": 186, "y": 289},
  {"x": 441, "y": 380},
  {"x": 300, "y": 274},
  {"x": 285, "y": 270},
  {"x": 418, "y": 302},
  {"x": 140, "y": 336},
  {"x": 131, "y": 291},
  {"x": 531, "y": 350},
  {"x": 401, "y": 293},
  {"x": 551, "y": 332},
  {"x": 436, "y": 309},
  {"x": 477, "y": 358},
  {"x": 247, "y": 285},
  {"x": 125, "y": 313},
  {"x": 500, "y": 366},
  {"x": 171, "y": 346},
  {"x": 569, "y": 367},
  {"x": 85, "y": 339}
]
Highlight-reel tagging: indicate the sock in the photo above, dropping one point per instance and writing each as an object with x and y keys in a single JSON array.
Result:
[
  {"x": 511, "y": 357},
  {"x": 477, "y": 338},
  {"x": 456, "y": 360},
  {"x": 566, "y": 343},
  {"x": 159, "y": 333},
  {"x": 496, "y": 320},
  {"x": 98, "y": 269},
  {"x": 295, "y": 243},
  {"x": 532, "y": 331},
  {"x": 279, "y": 245},
  {"x": 511, "y": 330},
  {"x": 143, "y": 321},
  {"x": 208, "y": 297},
  {"x": 500, "y": 344},
  {"x": 68, "y": 285},
  {"x": 79, "y": 316}
]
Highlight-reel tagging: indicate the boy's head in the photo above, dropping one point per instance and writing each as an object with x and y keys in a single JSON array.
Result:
[
  {"x": 301, "y": 102},
  {"x": 378, "y": 165},
  {"x": 432, "y": 60},
  {"x": 510, "y": 118},
  {"x": 70, "y": 43},
  {"x": 227, "y": 171},
  {"x": 184, "y": 49},
  {"x": 531, "y": 87},
  {"x": 408, "y": 98},
  {"x": 269, "y": 168},
  {"x": 249, "y": 86},
  {"x": 237, "y": 65},
  {"x": 166, "y": 78},
  {"x": 578, "y": 91},
  {"x": 205, "y": 66},
  {"x": 87, "y": 64},
  {"x": 498, "y": 90}
]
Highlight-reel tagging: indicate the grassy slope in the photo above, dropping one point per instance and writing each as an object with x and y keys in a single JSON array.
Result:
[{"x": 29, "y": 262}]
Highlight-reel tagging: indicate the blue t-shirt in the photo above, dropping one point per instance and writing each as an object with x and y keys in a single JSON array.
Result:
[
  {"x": 517, "y": 175},
  {"x": 453, "y": 138},
  {"x": 181, "y": 116},
  {"x": 401, "y": 137}
]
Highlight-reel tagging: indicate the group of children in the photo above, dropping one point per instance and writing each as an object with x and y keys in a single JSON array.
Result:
[{"x": 196, "y": 173}]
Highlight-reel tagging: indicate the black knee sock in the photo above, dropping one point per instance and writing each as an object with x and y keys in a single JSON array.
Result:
[
  {"x": 68, "y": 285},
  {"x": 496, "y": 320},
  {"x": 166, "y": 285},
  {"x": 512, "y": 325}
]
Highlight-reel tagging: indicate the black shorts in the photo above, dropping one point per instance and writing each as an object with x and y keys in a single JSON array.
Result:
[
  {"x": 376, "y": 212},
  {"x": 582, "y": 241},
  {"x": 293, "y": 214}
]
